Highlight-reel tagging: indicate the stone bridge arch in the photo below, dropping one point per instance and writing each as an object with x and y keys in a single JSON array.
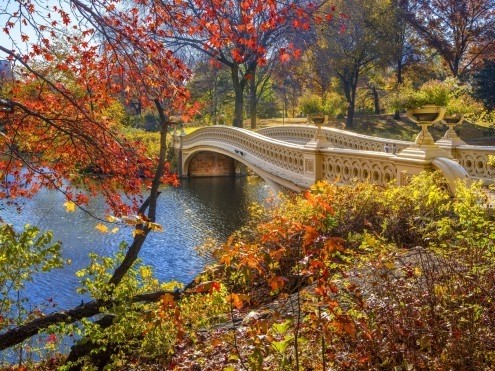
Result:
[{"x": 238, "y": 156}]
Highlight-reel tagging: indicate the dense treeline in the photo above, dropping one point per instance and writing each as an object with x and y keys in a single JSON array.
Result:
[{"x": 367, "y": 59}]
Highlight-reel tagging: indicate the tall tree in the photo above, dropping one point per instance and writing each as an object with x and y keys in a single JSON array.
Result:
[
  {"x": 461, "y": 31},
  {"x": 56, "y": 131},
  {"x": 241, "y": 34},
  {"x": 402, "y": 49},
  {"x": 353, "y": 43},
  {"x": 211, "y": 85},
  {"x": 484, "y": 84}
]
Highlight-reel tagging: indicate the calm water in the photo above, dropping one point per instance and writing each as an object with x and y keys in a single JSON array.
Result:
[{"x": 199, "y": 209}]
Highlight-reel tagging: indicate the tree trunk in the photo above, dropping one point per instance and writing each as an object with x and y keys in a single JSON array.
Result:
[
  {"x": 86, "y": 310},
  {"x": 399, "y": 84},
  {"x": 215, "y": 100},
  {"x": 349, "y": 84},
  {"x": 253, "y": 101},
  {"x": 239, "y": 96},
  {"x": 135, "y": 248},
  {"x": 376, "y": 100},
  {"x": 16, "y": 335},
  {"x": 349, "y": 121}
]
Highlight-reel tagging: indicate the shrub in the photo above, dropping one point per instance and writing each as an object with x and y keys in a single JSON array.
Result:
[{"x": 399, "y": 277}]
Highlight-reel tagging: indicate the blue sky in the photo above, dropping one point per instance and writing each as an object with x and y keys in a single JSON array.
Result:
[{"x": 8, "y": 7}]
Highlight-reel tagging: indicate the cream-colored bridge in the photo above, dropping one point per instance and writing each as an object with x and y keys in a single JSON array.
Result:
[{"x": 296, "y": 156}]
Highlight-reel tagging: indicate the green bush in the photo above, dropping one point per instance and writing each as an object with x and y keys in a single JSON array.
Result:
[
  {"x": 450, "y": 93},
  {"x": 330, "y": 104}
]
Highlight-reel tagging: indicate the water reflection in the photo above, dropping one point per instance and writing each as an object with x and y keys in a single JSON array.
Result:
[{"x": 200, "y": 208}]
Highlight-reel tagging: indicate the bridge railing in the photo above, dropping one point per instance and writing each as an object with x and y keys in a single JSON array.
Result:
[
  {"x": 301, "y": 165},
  {"x": 302, "y": 134},
  {"x": 473, "y": 158},
  {"x": 281, "y": 159},
  {"x": 348, "y": 165}
]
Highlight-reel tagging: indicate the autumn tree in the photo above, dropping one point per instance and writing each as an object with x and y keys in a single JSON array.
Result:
[
  {"x": 461, "y": 31},
  {"x": 240, "y": 34},
  {"x": 57, "y": 132},
  {"x": 353, "y": 43}
]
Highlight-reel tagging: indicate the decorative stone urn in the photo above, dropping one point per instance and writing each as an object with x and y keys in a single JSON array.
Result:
[
  {"x": 319, "y": 139},
  {"x": 424, "y": 148},
  {"x": 317, "y": 119},
  {"x": 451, "y": 122},
  {"x": 425, "y": 116}
]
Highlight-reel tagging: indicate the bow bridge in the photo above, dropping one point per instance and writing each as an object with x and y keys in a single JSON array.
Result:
[{"x": 296, "y": 156}]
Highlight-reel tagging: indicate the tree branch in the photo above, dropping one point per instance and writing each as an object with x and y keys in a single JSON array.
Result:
[{"x": 19, "y": 334}]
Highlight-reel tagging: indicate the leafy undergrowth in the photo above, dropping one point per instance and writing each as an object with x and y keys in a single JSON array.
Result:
[
  {"x": 357, "y": 277},
  {"x": 354, "y": 277}
]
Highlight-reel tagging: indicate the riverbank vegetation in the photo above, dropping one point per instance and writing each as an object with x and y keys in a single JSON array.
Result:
[
  {"x": 340, "y": 277},
  {"x": 359, "y": 277}
]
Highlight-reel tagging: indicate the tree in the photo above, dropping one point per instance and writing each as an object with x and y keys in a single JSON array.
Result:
[
  {"x": 288, "y": 88},
  {"x": 353, "y": 43},
  {"x": 403, "y": 50},
  {"x": 56, "y": 131},
  {"x": 484, "y": 84},
  {"x": 240, "y": 34},
  {"x": 211, "y": 86},
  {"x": 461, "y": 31}
]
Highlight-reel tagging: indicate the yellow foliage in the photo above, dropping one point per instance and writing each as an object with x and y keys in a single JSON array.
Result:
[
  {"x": 70, "y": 206},
  {"x": 102, "y": 228}
]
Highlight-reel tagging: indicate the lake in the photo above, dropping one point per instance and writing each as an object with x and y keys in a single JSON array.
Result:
[{"x": 198, "y": 210}]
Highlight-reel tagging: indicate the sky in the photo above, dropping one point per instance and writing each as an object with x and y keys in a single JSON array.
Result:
[{"x": 7, "y": 8}]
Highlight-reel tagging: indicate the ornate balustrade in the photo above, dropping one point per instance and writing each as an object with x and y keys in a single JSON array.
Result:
[
  {"x": 281, "y": 160},
  {"x": 473, "y": 158},
  {"x": 298, "y": 166},
  {"x": 302, "y": 134},
  {"x": 348, "y": 165}
]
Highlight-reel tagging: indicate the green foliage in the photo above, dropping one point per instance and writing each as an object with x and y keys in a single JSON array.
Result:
[
  {"x": 450, "y": 93},
  {"x": 149, "y": 121},
  {"x": 311, "y": 103},
  {"x": 23, "y": 255},
  {"x": 150, "y": 140},
  {"x": 141, "y": 330},
  {"x": 331, "y": 104}
]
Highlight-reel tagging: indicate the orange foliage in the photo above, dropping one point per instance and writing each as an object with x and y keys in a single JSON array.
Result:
[{"x": 59, "y": 130}]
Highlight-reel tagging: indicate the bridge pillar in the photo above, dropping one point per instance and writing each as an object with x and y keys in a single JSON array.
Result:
[
  {"x": 177, "y": 145},
  {"x": 450, "y": 143},
  {"x": 409, "y": 167},
  {"x": 416, "y": 159},
  {"x": 313, "y": 167}
]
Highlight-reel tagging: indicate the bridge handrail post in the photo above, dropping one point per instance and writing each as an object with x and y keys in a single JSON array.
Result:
[
  {"x": 409, "y": 167},
  {"x": 313, "y": 166},
  {"x": 177, "y": 147},
  {"x": 314, "y": 158}
]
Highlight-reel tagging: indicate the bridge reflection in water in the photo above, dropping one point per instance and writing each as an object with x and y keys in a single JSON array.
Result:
[{"x": 290, "y": 156}]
